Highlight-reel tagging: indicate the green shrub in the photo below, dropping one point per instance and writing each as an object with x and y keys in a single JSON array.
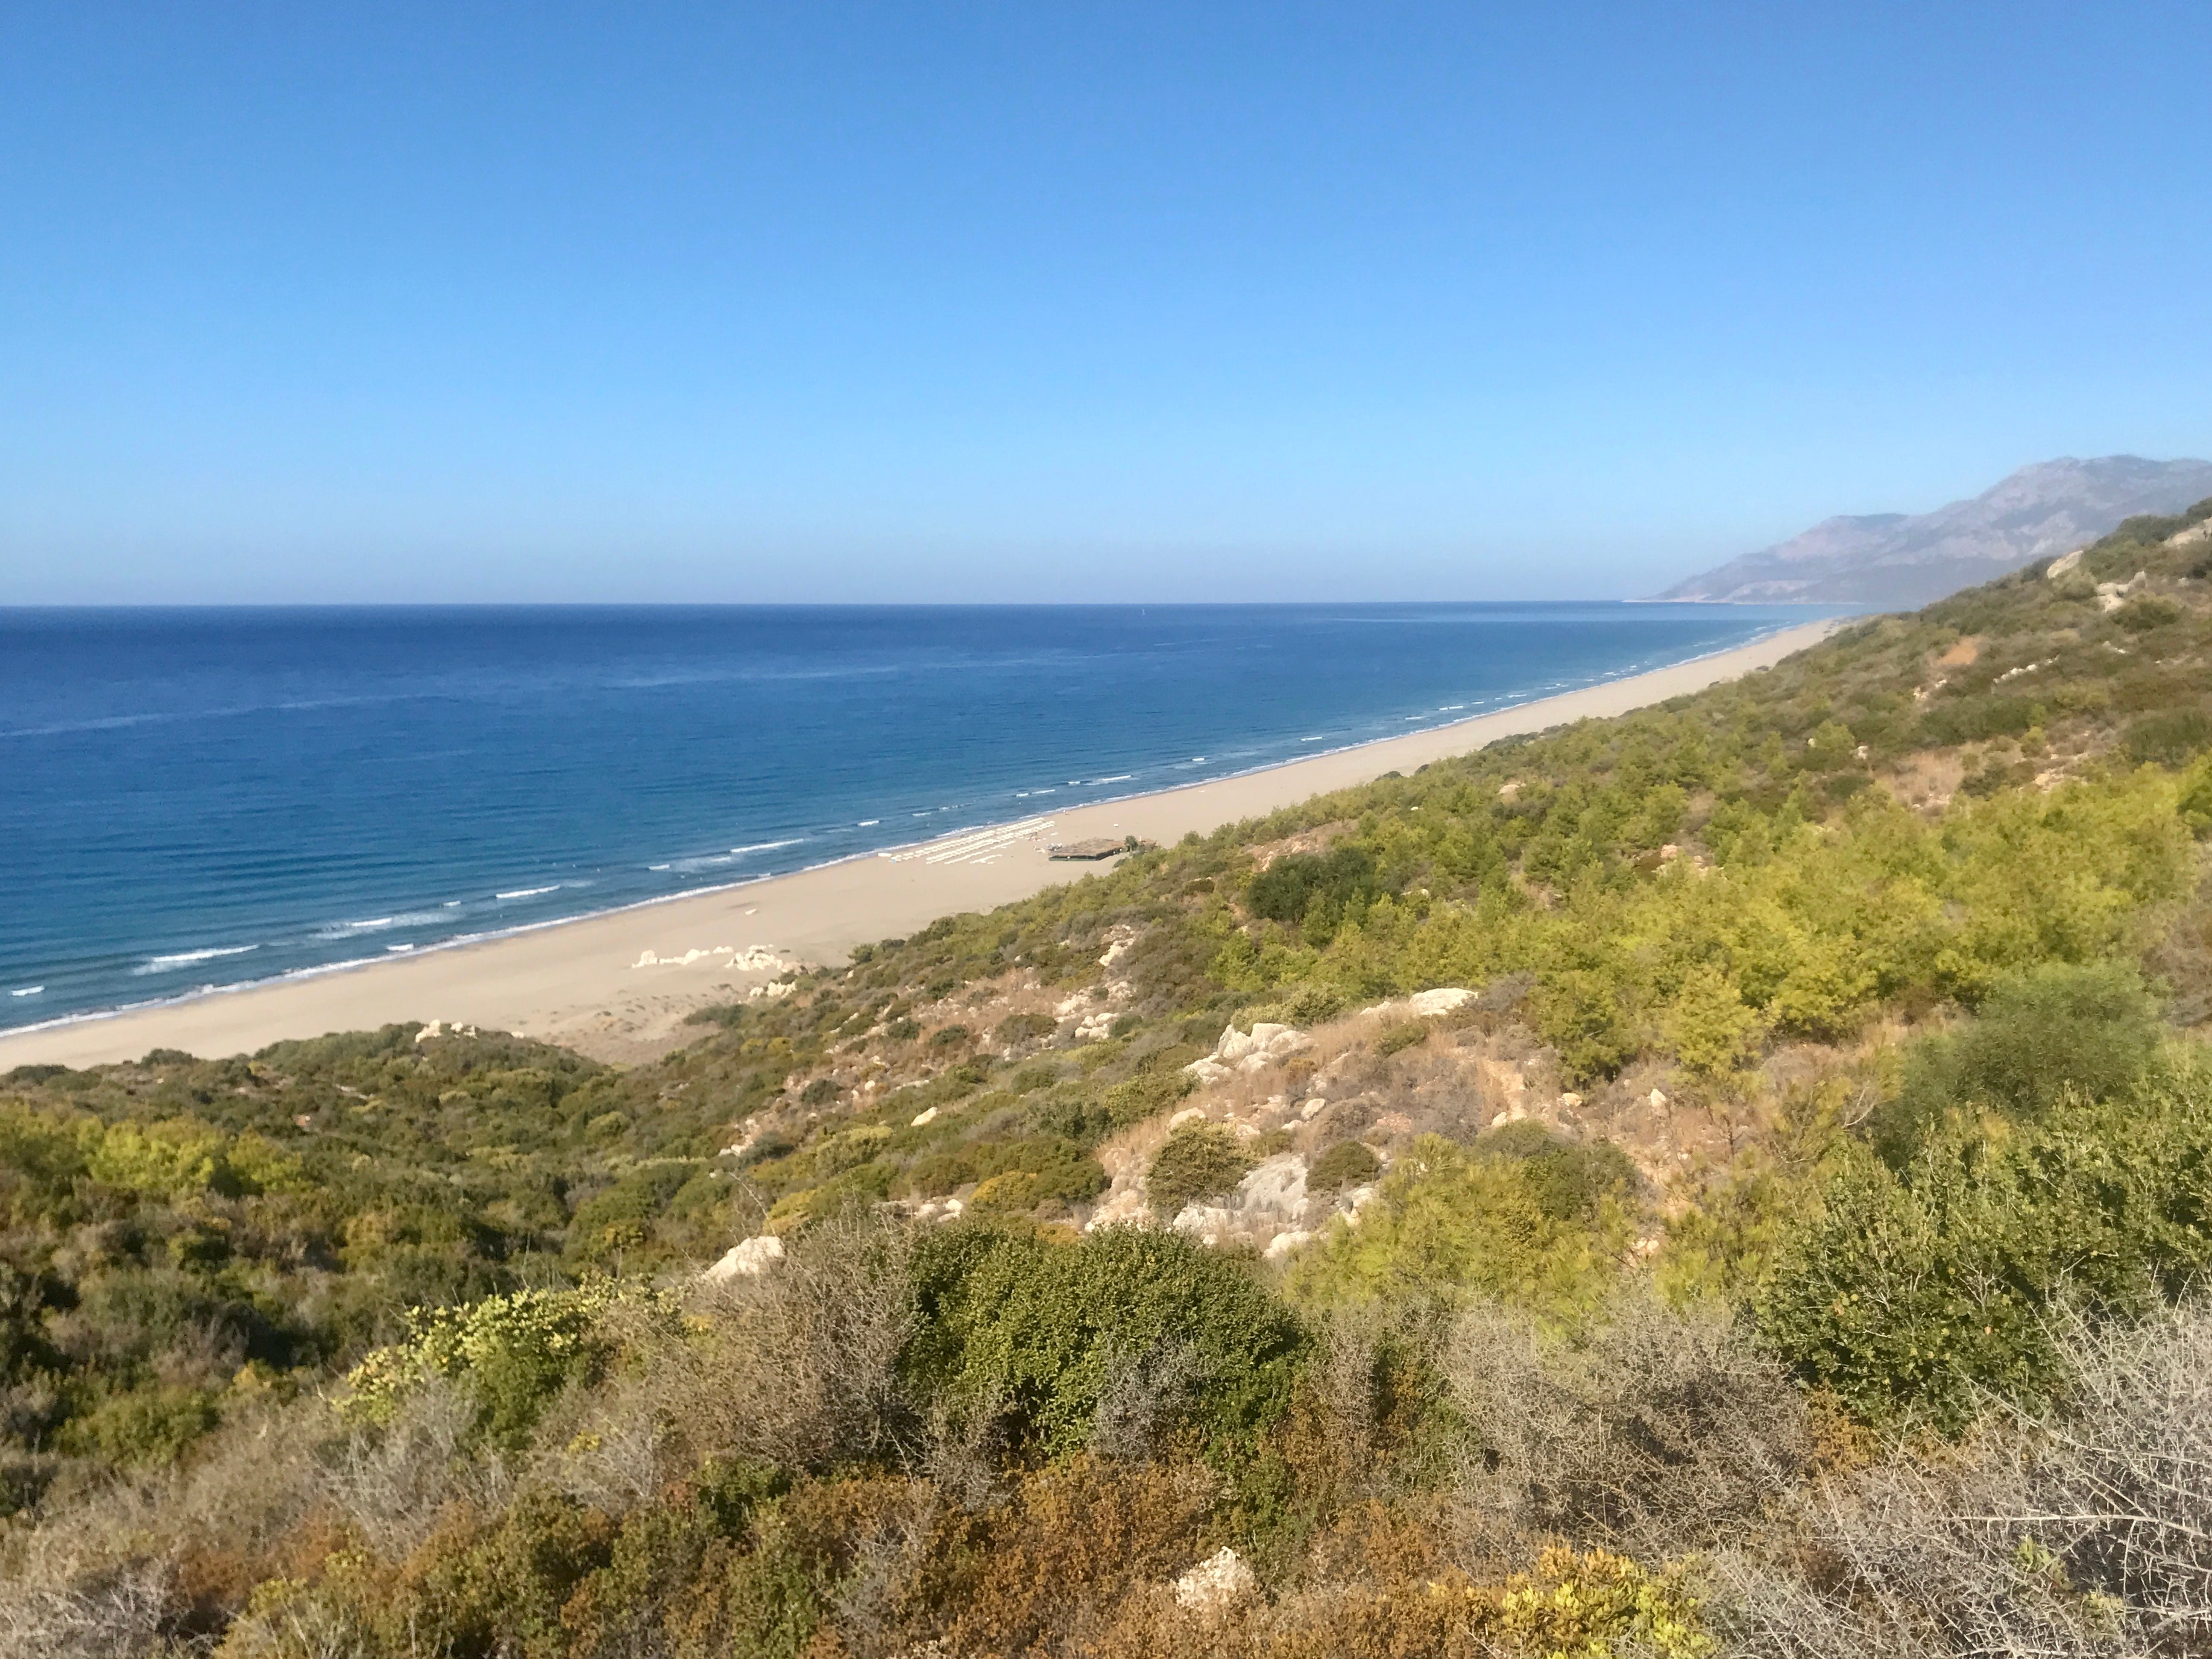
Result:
[
  {"x": 1040, "y": 1330},
  {"x": 1583, "y": 1014},
  {"x": 1396, "y": 1038},
  {"x": 2041, "y": 1037},
  {"x": 1570, "y": 1179},
  {"x": 145, "y": 1427},
  {"x": 1199, "y": 1160},
  {"x": 1317, "y": 890},
  {"x": 1018, "y": 1029},
  {"x": 1707, "y": 1023},
  {"x": 2173, "y": 736},
  {"x": 1054, "y": 1170},
  {"x": 1300, "y": 1004},
  {"x": 1994, "y": 773},
  {"x": 1908, "y": 1295},
  {"x": 1347, "y": 1163},
  {"x": 1449, "y": 1222},
  {"x": 727, "y": 1015},
  {"x": 513, "y": 1354},
  {"x": 621, "y": 1218},
  {"x": 2140, "y": 616},
  {"x": 1149, "y": 1093},
  {"x": 1978, "y": 719}
]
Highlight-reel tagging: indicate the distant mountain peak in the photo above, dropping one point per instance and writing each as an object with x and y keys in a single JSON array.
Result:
[{"x": 1900, "y": 560}]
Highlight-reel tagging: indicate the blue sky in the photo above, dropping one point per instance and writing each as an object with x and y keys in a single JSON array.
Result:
[{"x": 822, "y": 301}]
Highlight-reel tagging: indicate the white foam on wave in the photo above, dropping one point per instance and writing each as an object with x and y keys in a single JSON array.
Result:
[
  {"x": 338, "y": 930},
  {"x": 186, "y": 958},
  {"x": 712, "y": 860},
  {"x": 1119, "y": 777},
  {"x": 27, "y": 991},
  {"x": 528, "y": 892}
]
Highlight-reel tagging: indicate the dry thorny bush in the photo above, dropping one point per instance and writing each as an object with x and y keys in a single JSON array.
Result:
[
  {"x": 798, "y": 1367},
  {"x": 1659, "y": 1433},
  {"x": 123, "y": 1570},
  {"x": 2088, "y": 1532}
]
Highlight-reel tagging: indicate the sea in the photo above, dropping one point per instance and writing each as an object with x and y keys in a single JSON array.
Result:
[{"x": 196, "y": 799}]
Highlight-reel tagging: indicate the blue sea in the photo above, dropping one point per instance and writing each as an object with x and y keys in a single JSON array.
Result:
[{"x": 200, "y": 798}]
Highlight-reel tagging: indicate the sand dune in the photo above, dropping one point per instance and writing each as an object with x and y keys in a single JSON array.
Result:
[{"x": 617, "y": 986}]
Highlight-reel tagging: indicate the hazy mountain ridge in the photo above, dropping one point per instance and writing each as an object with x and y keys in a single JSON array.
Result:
[{"x": 1898, "y": 559}]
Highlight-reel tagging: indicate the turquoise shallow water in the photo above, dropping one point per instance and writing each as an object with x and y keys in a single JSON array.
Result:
[{"x": 207, "y": 797}]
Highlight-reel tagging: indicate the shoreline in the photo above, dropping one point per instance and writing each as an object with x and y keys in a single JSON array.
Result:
[
  {"x": 462, "y": 941},
  {"x": 568, "y": 982}
]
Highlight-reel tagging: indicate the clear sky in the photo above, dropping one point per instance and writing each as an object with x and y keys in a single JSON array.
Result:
[{"x": 1054, "y": 301}]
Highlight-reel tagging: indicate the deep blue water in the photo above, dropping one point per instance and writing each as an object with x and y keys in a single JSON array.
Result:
[{"x": 203, "y": 797}]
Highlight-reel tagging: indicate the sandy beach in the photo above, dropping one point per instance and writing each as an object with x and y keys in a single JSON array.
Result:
[{"x": 617, "y": 986}]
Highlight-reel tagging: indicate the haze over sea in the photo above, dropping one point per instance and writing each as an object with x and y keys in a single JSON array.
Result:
[{"x": 209, "y": 798}]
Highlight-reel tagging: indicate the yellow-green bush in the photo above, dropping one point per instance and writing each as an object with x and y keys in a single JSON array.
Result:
[{"x": 1449, "y": 1222}]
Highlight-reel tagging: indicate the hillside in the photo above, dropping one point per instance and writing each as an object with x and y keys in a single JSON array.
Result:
[
  {"x": 1729, "y": 1179},
  {"x": 1892, "y": 560}
]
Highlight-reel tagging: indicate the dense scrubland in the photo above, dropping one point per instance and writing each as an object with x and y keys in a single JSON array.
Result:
[{"x": 1794, "y": 1244}]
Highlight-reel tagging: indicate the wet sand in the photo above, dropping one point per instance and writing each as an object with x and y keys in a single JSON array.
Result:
[{"x": 581, "y": 982}]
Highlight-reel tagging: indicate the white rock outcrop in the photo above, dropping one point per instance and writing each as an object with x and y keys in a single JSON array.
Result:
[
  {"x": 1264, "y": 1045},
  {"x": 1444, "y": 999},
  {"x": 1271, "y": 1199},
  {"x": 747, "y": 1261},
  {"x": 1218, "y": 1581},
  {"x": 2111, "y": 596},
  {"x": 1124, "y": 1207},
  {"x": 1424, "y": 1005}
]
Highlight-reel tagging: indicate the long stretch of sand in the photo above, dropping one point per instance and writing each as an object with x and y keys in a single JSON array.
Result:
[{"x": 578, "y": 982}]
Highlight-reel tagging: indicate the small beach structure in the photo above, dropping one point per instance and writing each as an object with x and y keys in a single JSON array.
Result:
[{"x": 1098, "y": 847}]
